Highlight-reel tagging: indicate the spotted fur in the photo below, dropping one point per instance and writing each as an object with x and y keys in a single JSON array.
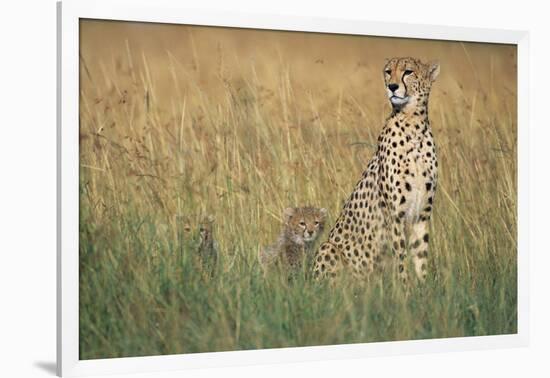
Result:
[
  {"x": 208, "y": 249},
  {"x": 301, "y": 228},
  {"x": 391, "y": 205}
]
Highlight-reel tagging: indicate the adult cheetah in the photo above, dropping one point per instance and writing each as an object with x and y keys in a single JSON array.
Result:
[{"x": 392, "y": 202}]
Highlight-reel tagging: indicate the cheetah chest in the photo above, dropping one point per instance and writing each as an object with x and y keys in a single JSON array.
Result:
[{"x": 420, "y": 164}]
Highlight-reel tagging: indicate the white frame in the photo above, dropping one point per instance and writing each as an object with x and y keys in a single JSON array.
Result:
[{"x": 169, "y": 11}]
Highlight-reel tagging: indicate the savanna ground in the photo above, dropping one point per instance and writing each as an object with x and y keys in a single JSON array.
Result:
[{"x": 180, "y": 121}]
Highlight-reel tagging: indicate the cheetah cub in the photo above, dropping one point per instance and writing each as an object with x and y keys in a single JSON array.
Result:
[
  {"x": 301, "y": 228},
  {"x": 392, "y": 202},
  {"x": 208, "y": 248}
]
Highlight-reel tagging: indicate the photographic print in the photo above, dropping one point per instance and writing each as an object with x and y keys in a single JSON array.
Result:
[{"x": 251, "y": 189}]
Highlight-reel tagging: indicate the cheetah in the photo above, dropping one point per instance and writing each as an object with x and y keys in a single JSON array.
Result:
[
  {"x": 302, "y": 227},
  {"x": 391, "y": 205},
  {"x": 208, "y": 249}
]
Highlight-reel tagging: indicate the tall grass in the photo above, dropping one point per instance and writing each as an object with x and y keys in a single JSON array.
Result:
[{"x": 183, "y": 121}]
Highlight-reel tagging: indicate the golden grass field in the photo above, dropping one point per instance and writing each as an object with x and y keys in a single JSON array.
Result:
[{"x": 185, "y": 121}]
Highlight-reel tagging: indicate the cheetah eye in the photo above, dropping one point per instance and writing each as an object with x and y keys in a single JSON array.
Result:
[
  {"x": 302, "y": 223},
  {"x": 407, "y": 72},
  {"x": 316, "y": 223},
  {"x": 388, "y": 72}
]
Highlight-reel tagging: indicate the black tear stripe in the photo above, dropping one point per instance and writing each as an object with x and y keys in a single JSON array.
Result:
[{"x": 405, "y": 85}]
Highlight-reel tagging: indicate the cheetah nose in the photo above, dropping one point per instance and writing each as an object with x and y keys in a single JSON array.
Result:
[{"x": 393, "y": 87}]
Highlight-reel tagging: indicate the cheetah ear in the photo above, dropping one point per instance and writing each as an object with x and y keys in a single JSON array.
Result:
[
  {"x": 433, "y": 70},
  {"x": 288, "y": 213},
  {"x": 323, "y": 212}
]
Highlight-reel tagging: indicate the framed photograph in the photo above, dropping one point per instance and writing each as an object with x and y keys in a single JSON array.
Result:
[{"x": 255, "y": 188}]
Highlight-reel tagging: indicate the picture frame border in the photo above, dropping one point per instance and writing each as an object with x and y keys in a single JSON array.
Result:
[{"x": 69, "y": 14}]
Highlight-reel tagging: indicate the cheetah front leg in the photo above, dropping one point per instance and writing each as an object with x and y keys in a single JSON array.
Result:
[
  {"x": 327, "y": 261},
  {"x": 418, "y": 247},
  {"x": 399, "y": 246}
]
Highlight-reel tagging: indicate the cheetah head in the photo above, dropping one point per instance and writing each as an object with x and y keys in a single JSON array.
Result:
[
  {"x": 304, "y": 224},
  {"x": 408, "y": 81}
]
